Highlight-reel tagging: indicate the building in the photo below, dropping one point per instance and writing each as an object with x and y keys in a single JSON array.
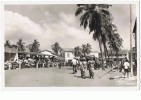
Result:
[
  {"x": 47, "y": 52},
  {"x": 95, "y": 54},
  {"x": 10, "y": 53},
  {"x": 67, "y": 53},
  {"x": 121, "y": 54}
]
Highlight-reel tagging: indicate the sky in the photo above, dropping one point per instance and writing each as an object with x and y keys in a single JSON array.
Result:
[{"x": 57, "y": 23}]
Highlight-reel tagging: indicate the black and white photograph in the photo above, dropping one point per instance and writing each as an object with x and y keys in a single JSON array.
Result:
[{"x": 70, "y": 45}]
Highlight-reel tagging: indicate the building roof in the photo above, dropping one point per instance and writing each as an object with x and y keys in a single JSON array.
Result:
[
  {"x": 33, "y": 53},
  {"x": 46, "y": 50},
  {"x": 68, "y": 49},
  {"x": 10, "y": 49}
]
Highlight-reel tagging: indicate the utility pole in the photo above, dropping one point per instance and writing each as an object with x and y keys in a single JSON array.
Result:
[{"x": 131, "y": 66}]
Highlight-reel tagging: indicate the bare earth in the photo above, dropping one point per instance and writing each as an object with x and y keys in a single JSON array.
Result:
[{"x": 55, "y": 77}]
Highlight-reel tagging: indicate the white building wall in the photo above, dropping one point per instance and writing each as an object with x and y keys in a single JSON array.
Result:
[
  {"x": 94, "y": 54},
  {"x": 69, "y": 56}
]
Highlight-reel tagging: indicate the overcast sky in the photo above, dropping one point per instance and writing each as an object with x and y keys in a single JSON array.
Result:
[{"x": 57, "y": 23}]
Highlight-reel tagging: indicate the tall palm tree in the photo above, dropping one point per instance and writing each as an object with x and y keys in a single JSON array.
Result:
[
  {"x": 106, "y": 36},
  {"x": 34, "y": 47},
  {"x": 77, "y": 51},
  {"x": 56, "y": 47},
  {"x": 115, "y": 43},
  {"x": 21, "y": 45},
  {"x": 7, "y": 43},
  {"x": 96, "y": 17}
]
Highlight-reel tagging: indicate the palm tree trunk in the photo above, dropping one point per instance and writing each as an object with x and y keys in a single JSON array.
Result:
[
  {"x": 100, "y": 46},
  {"x": 111, "y": 57},
  {"x": 116, "y": 57},
  {"x": 107, "y": 54}
]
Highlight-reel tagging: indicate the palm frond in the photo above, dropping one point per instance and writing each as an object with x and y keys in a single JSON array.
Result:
[{"x": 78, "y": 11}]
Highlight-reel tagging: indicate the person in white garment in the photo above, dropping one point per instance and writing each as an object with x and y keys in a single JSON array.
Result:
[
  {"x": 74, "y": 63},
  {"x": 126, "y": 68}
]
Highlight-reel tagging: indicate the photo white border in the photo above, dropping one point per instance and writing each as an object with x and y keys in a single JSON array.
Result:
[{"x": 68, "y": 88}]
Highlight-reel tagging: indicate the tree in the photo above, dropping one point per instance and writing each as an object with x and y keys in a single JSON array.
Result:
[
  {"x": 7, "y": 44},
  {"x": 115, "y": 43},
  {"x": 97, "y": 18},
  {"x": 84, "y": 49},
  {"x": 56, "y": 47},
  {"x": 77, "y": 51},
  {"x": 20, "y": 45},
  {"x": 88, "y": 48},
  {"x": 34, "y": 47}
]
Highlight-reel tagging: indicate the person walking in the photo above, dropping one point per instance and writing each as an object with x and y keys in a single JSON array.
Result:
[
  {"x": 81, "y": 69},
  {"x": 74, "y": 64},
  {"x": 121, "y": 66},
  {"x": 91, "y": 69},
  {"x": 60, "y": 64},
  {"x": 84, "y": 68},
  {"x": 126, "y": 68}
]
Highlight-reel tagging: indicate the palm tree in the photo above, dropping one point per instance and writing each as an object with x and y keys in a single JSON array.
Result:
[
  {"x": 96, "y": 17},
  {"x": 56, "y": 47},
  {"x": 115, "y": 43},
  {"x": 7, "y": 44},
  {"x": 84, "y": 49},
  {"x": 34, "y": 47},
  {"x": 77, "y": 51},
  {"x": 106, "y": 36},
  {"x": 21, "y": 45},
  {"x": 88, "y": 48}
]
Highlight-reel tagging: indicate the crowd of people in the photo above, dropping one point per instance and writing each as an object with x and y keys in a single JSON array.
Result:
[
  {"x": 82, "y": 64},
  {"x": 91, "y": 65},
  {"x": 33, "y": 62}
]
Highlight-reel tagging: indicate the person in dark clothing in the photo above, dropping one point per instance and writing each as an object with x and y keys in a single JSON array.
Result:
[
  {"x": 91, "y": 68},
  {"x": 60, "y": 64}
]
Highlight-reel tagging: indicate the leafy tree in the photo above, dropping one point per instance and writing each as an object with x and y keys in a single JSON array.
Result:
[
  {"x": 77, "y": 51},
  {"x": 7, "y": 43},
  {"x": 56, "y": 48},
  {"x": 21, "y": 45},
  {"x": 34, "y": 47},
  {"x": 88, "y": 48}
]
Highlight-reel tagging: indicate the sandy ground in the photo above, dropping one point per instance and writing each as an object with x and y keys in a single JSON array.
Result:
[{"x": 54, "y": 77}]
